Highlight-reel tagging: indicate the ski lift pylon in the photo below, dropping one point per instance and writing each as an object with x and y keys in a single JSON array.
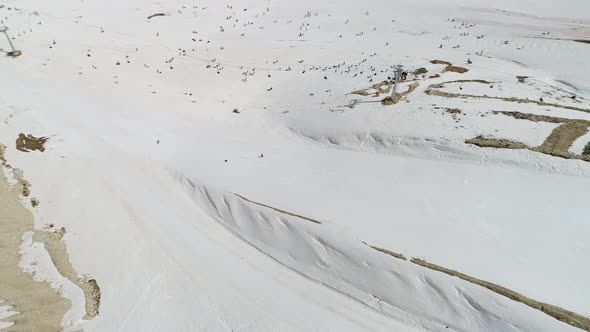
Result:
[{"x": 14, "y": 53}]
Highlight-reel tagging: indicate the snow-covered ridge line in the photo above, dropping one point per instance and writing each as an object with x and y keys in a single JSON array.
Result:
[
  {"x": 442, "y": 149},
  {"x": 556, "y": 312},
  {"x": 363, "y": 273}
]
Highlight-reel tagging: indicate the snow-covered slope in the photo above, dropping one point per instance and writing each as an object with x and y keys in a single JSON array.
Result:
[{"x": 226, "y": 166}]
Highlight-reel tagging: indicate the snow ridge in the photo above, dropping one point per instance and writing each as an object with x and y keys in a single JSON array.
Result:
[{"x": 352, "y": 268}]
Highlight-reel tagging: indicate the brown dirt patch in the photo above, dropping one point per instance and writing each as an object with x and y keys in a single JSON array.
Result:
[
  {"x": 441, "y": 62},
  {"x": 92, "y": 295},
  {"x": 279, "y": 210},
  {"x": 56, "y": 247},
  {"x": 385, "y": 88},
  {"x": 411, "y": 89},
  {"x": 449, "y": 67},
  {"x": 39, "y": 306},
  {"x": 14, "y": 54},
  {"x": 557, "y": 144},
  {"x": 455, "y": 69},
  {"x": 22, "y": 182},
  {"x": 390, "y": 253},
  {"x": 441, "y": 85},
  {"x": 484, "y": 142},
  {"x": 521, "y": 79},
  {"x": 380, "y": 88},
  {"x": 2, "y": 158},
  {"x": 568, "y": 317},
  {"x": 533, "y": 117},
  {"x": 561, "y": 138},
  {"x": 361, "y": 93},
  {"x": 27, "y": 143},
  {"x": 420, "y": 71},
  {"x": 392, "y": 101}
]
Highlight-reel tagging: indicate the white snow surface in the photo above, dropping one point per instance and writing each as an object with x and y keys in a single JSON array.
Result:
[{"x": 146, "y": 161}]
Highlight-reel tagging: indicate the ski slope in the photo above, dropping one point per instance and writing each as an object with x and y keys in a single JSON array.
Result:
[{"x": 216, "y": 169}]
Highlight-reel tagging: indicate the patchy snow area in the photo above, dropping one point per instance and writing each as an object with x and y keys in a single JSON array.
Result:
[{"x": 229, "y": 166}]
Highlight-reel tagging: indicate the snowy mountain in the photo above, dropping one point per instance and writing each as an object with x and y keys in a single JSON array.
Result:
[{"x": 197, "y": 165}]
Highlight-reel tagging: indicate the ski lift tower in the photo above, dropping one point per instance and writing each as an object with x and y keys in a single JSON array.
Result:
[
  {"x": 399, "y": 69},
  {"x": 14, "y": 52}
]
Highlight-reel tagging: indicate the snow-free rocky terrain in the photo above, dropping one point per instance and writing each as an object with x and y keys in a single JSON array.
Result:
[{"x": 200, "y": 165}]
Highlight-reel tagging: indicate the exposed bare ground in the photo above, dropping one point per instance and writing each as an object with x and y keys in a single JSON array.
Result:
[
  {"x": 57, "y": 250},
  {"x": 556, "y": 144},
  {"x": 399, "y": 96},
  {"x": 24, "y": 185},
  {"x": 441, "y": 62},
  {"x": 586, "y": 151},
  {"x": 363, "y": 92},
  {"x": 562, "y": 137},
  {"x": 39, "y": 307},
  {"x": 380, "y": 88},
  {"x": 17, "y": 173},
  {"x": 433, "y": 91},
  {"x": 34, "y": 202},
  {"x": 533, "y": 117},
  {"x": 455, "y": 69},
  {"x": 279, "y": 210},
  {"x": 411, "y": 89},
  {"x": 484, "y": 142},
  {"x": 26, "y": 143},
  {"x": 390, "y": 253},
  {"x": 2, "y": 158},
  {"x": 449, "y": 67},
  {"x": 387, "y": 101},
  {"x": 558, "y": 313},
  {"x": 584, "y": 41},
  {"x": 420, "y": 71},
  {"x": 441, "y": 85}
]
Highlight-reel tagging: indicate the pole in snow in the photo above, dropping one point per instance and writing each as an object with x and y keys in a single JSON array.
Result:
[
  {"x": 14, "y": 53},
  {"x": 399, "y": 69},
  {"x": 399, "y": 75}
]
